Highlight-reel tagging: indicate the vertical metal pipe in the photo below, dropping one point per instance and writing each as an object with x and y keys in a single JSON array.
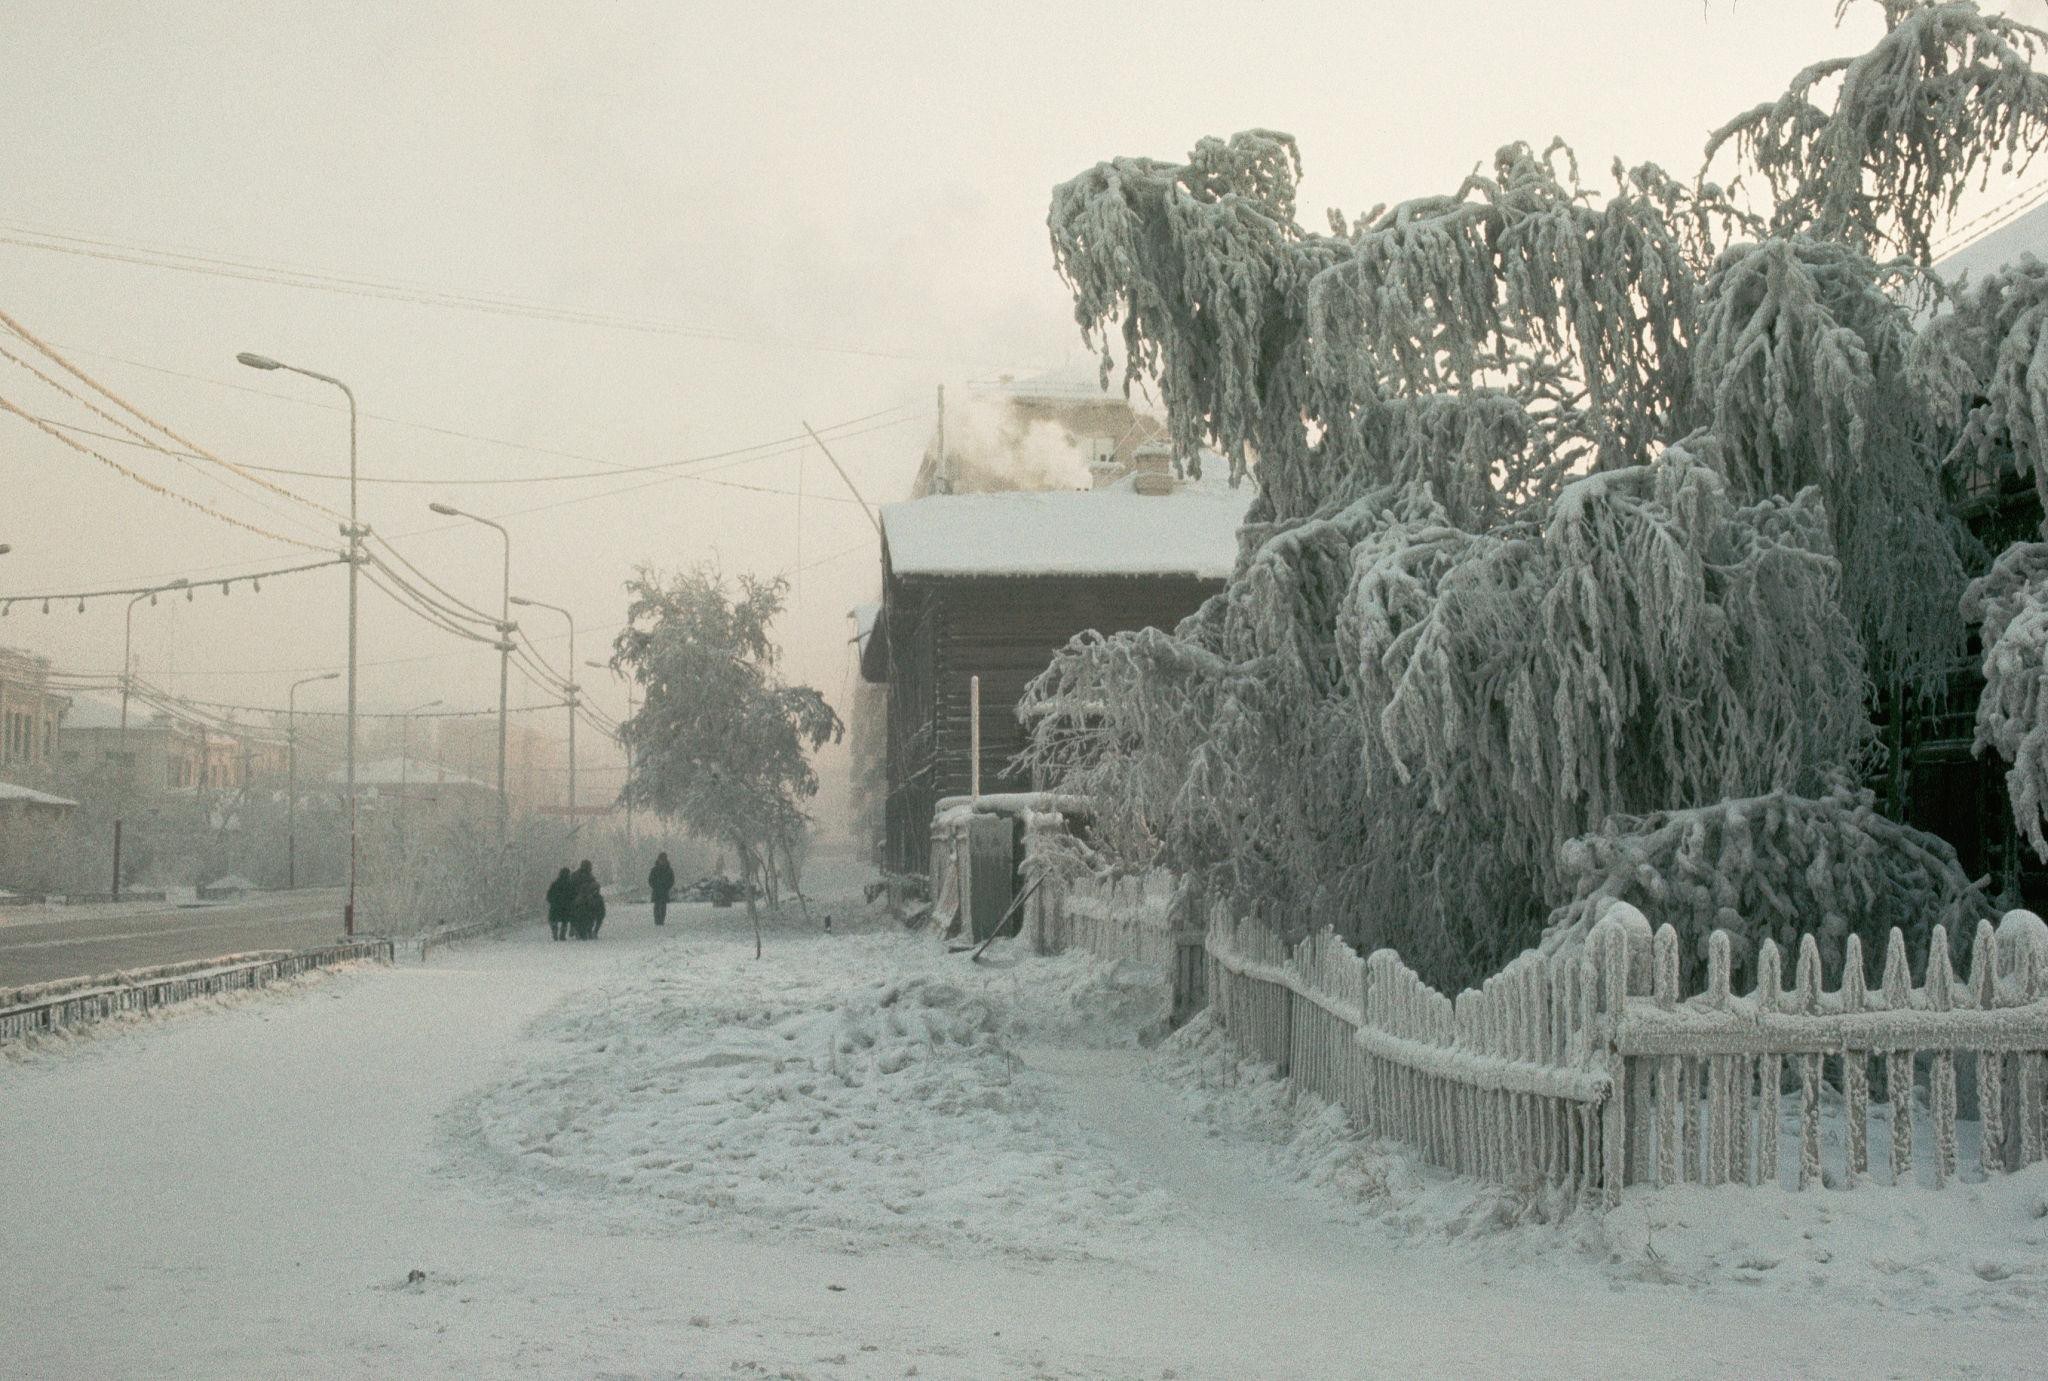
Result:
[
  {"x": 355, "y": 562},
  {"x": 974, "y": 737}
]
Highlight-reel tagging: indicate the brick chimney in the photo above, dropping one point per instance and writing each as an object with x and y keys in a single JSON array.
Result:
[{"x": 1153, "y": 472}]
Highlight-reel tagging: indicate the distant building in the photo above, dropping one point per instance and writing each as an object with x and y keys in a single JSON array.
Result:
[
  {"x": 168, "y": 754},
  {"x": 392, "y": 784},
  {"x": 32, "y": 827},
  {"x": 992, "y": 585},
  {"x": 31, "y": 715}
]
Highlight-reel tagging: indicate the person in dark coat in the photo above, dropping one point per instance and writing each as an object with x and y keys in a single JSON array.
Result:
[
  {"x": 661, "y": 884},
  {"x": 561, "y": 892},
  {"x": 587, "y": 915}
]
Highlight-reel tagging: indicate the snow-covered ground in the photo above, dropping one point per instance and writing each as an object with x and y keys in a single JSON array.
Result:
[{"x": 865, "y": 1156}]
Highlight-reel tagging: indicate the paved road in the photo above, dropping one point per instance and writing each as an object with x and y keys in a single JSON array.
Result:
[{"x": 41, "y": 943}]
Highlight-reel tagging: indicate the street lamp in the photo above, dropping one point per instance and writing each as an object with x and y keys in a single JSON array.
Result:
[
  {"x": 291, "y": 808},
  {"x": 127, "y": 679},
  {"x": 505, "y": 630},
  {"x": 628, "y": 743},
  {"x": 354, "y": 533},
  {"x": 405, "y": 758},
  {"x": 575, "y": 821}
]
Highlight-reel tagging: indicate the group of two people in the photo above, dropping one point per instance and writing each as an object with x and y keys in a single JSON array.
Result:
[{"x": 576, "y": 902}]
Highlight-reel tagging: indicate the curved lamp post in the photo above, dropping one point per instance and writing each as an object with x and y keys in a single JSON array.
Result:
[
  {"x": 354, "y": 533},
  {"x": 505, "y": 630}
]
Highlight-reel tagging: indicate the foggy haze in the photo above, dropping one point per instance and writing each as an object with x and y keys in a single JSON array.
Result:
[{"x": 818, "y": 214}]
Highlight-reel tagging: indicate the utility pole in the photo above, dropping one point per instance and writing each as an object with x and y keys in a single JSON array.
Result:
[
  {"x": 570, "y": 691},
  {"x": 354, "y": 532},
  {"x": 127, "y": 681},
  {"x": 943, "y": 470},
  {"x": 291, "y": 807}
]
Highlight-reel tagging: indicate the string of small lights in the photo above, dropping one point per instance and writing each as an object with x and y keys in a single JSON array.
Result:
[{"x": 80, "y": 598}]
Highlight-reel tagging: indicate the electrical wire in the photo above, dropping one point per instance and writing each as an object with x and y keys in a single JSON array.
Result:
[
  {"x": 222, "y": 266},
  {"x": 745, "y": 453},
  {"x": 134, "y": 437},
  {"x": 644, "y": 484},
  {"x": 582, "y": 457},
  {"x": 202, "y": 453},
  {"x": 150, "y": 484},
  {"x": 254, "y": 577}
]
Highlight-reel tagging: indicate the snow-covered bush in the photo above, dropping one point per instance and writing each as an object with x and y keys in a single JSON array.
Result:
[{"x": 1773, "y": 867}]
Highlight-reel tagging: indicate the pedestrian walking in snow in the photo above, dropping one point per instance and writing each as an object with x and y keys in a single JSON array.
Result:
[
  {"x": 661, "y": 883},
  {"x": 587, "y": 903},
  {"x": 561, "y": 893}
]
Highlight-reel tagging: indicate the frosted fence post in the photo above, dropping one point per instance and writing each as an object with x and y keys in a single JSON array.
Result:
[
  {"x": 1898, "y": 1065},
  {"x": 1665, "y": 990},
  {"x": 1990, "y": 1063},
  {"x": 1641, "y": 963},
  {"x": 1941, "y": 1092},
  {"x": 1855, "y": 1067},
  {"x": 1529, "y": 1047},
  {"x": 1720, "y": 1105},
  {"x": 1613, "y": 935},
  {"x": 2024, "y": 940},
  {"x": 1771, "y": 1069},
  {"x": 1807, "y": 986}
]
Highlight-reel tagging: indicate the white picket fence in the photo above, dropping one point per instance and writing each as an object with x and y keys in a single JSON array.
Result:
[
  {"x": 1112, "y": 918},
  {"x": 1587, "y": 1070}
]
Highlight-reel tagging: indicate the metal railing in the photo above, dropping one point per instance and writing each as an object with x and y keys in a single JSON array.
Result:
[{"x": 49, "y": 1007}]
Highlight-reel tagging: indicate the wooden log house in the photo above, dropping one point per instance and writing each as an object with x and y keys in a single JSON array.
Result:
[{"x": 992, "y": 585}]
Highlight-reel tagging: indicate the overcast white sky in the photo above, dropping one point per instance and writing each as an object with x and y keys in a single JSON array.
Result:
[{"x": 870, "y": 177}]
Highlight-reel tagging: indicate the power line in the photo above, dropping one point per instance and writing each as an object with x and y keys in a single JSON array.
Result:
[
  {"x": 152, "y": 485},
  {"x": 221, "y": 266},
  {"x": 255, "y": 578},
  {"x": 297, "y": 400},
  {"x": 196, "y": 451},
  {"x": 343, "y": 714},
  {"x": 645, "y": 484},
  {"x": 782, "y": 447}
]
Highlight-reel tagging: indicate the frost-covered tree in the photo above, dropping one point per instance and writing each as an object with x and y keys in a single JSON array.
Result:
[
  {"x": 721, "y": 743},
  {"x": 1572, "y": 505}
]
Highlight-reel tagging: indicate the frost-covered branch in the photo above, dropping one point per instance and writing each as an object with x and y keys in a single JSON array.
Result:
[{"x": 1877, "y": 150}]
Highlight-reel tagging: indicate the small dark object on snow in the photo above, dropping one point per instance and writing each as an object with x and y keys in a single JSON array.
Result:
[
  {"x": 828, "y": 921},
  {"x": 840, "y": 1288},
  {"x": 416, "y": 1276}
]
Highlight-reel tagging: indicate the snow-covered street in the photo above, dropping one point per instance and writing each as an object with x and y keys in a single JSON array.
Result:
[{"x": 862, "y": 1156}]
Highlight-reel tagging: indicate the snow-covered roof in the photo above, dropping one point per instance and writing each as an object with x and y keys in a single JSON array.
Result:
[
  {"x": 864, "y": 616},
  {"x": 2022, "y": 235},
  {"x": 1108, "y": 531},
  {"x": 10, "y": 792},
  {"x": 88, "y": 713},
  {"x": 406, "y": 772}
]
